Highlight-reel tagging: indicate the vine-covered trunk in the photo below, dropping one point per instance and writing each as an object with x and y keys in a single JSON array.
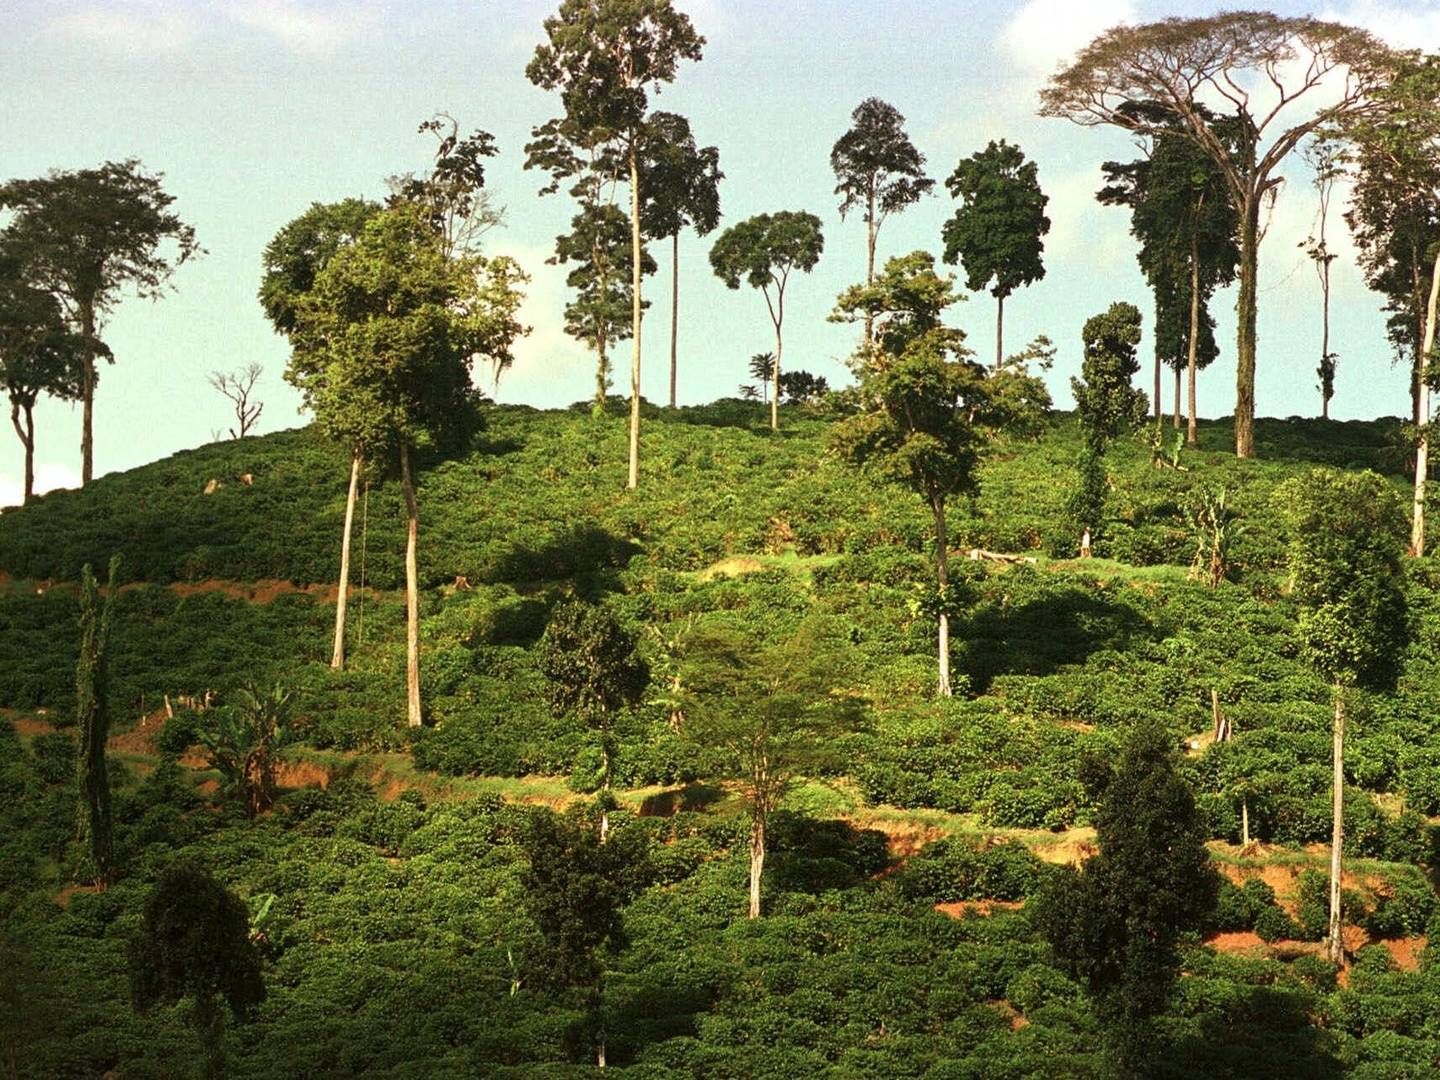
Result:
[
  {"x": 757, "y": 860},
  {"x": 942, "y": 579},
  {"x": 26, "y": 432},
  {"x": 1337, "y": 828},
  {"x": 1192, "y": 349},
  {"x": 1156, "y": 408},
  {"x": 342, "y": 595},
  {"x": 87, "y": 392},
  {"x": 1422, "y": 447},
  {"x": 92, "y": 715},
  {"x": 674, "y": 312},
  {"x": 633, "y": 481},
  {"x": 412, "y": 592},
  {"x": 1245, "y": 333}
]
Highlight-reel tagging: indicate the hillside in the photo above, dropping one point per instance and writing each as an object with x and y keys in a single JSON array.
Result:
[{"x": 895, "y": 941}]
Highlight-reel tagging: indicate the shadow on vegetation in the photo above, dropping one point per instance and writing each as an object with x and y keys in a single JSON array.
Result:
[
  {"x": 1379, "y": 444},
  {"x": 1041, "y": 634},
  {"x": 586, "y": 553},
  {"x": 1264, "y": 1032},
  {"x": 688, "y": 799},
  {"x": 809, "y": 855}
]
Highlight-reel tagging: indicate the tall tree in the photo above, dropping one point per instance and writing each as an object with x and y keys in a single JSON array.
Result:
[
  {"x": 92, "y": 718},
  {"x": 928, "y": 407},
  {"x": 39, "y": 353},
  {"x": 93, "y": 233},
  {"x": 1397, "y": 145},
  {"x": 1325, "y": 167},
  {"x": 1116, "y": 923},
  {"x": 1180, "y": 214},
  {"x": 605, "y": 57},
  {"x": 1257, "y": 63},
  {"x": 194, "y": 942},
  {"x": 996, "y": 233},
  {"x": 385, "y": 342},
  {"x": 772, "y": 711},
  {"x": 1346, "y": 541},
  {"x": 763, "y": 251},
  {"x": 298, "y": 252},
  {"x": 597, "y": 250},
  {"x": 593, "y": 671},
  {"x": 682, "y": 188},
  {"x": 1106, "y": 405},
  {"x": 877, "y": 168}
]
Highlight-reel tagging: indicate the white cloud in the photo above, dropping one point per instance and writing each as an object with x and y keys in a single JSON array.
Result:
[
  {"x": 303, "y": 28},
  {"x": 1044, "y": 34},
  {"x": 551, "y": 367},
  {"x": 140, "y": 26},
  {"x": 48, "y": 477},
  {"x": 1408, "y": 25}
]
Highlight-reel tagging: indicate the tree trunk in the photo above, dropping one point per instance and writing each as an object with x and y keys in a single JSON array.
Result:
[
  {"x": 1245, "y": 335},
  {"x": 604, "y": 786},
  {"x": 942, "y": 578},
  {"x": 1177, "y": 399},
  {"x": 342, "y": 595},
  {"x": 674, "y": 311},
  {"x": 87, "y": 393},
  {"x": 1192, "y": 349},
  {"x": 636, "y": 256},
  {"x": 27, "y": 440},
  {"x": 1157, "y": 408},
  {"x": 775, "y": 375},
  {"x": 1245, "y": 821},
  {"x": 412, "y": 593},
  {"x": 869, "y": 263},
  {"x": 757, "y": 861},
  {"x": 1327, "y": 384},
  {"x": 1422, "y": 447},
  {"x": 999, "y": 331},
  {"x": 1337, "y": 828}
]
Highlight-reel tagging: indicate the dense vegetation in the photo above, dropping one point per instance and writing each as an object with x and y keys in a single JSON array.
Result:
[{"x": 389, "y": 905}]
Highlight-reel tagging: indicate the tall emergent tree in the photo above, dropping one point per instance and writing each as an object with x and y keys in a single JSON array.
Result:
[
  {"x": 593, "y": 671},
  {"x": 996, "y": 233},
  {"x": 773, "y": 711},
  {"x": 1106, "y": 405},
  {"x": 291, "y": 262},
  {"x": 597, "y": 249},
  {"x": 682, "y": 188},
  {"x": 194, "y": 942},
  {"x": 877, "y": 168},
  {"x": 1347, "y": 535},
  {"x": 1257, "y": 64},
  {"x": 92, "y": 718},
  {"x": 604, "y": 57},
  {"x": 92, "y": 233},
  {"x": 1116, "y": 923},
  {"x": 1180, "y": 214},
  {"x": 928, "y": 407},
  {"x": 1397, "y": 202},
  {"x": 39, "y": 353},
  {"x": 384, "y": 345},
  {"x": 762, "y": 251}
]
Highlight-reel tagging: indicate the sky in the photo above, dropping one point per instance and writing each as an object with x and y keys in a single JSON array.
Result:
[{"x": 254, "y": 109}]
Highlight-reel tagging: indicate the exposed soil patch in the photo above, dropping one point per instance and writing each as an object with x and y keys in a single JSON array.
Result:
[
  {"x": 141, "y": 739},
  {"x": 31, "y": 726},
  {"x": 1406, "y": 952},
  {"x": 302, "y": 774},
  {"x": 263, "y": 591},
  {"x": 1071, "y": 848},
  {"x": 63, "y": 896},
  {"x": 1245, "y": 941},
  {"x": 732, "y": 567},
  {"x": 963, "y": 909}
]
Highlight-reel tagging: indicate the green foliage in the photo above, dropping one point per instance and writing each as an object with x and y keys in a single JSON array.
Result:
[
  {"x": 1105, "y": 402},
  {"x": 92, "y": 718},
  {"x": 996, "y": 233},
  {"x": 241, "y": 740}
]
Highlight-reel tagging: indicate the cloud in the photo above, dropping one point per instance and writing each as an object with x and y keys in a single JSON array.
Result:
[
  {"x": 137, "y": 26},
  {"x": 1411, "y": 25},
  {"x": 303, "y": 28},
  {"x": 48, "y": 477},
  {"x": 1044, "y": 34},
  {"x": 551, "y": 368}
]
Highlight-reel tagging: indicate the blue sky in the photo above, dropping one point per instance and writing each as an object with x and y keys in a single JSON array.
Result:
[{"x": 253, "y": 109}]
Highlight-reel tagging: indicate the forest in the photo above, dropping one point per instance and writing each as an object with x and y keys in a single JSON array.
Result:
[{"x": 913, "y": 727}]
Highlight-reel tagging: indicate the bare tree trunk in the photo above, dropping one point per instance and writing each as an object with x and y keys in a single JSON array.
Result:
[
  {"x": 674, "y": 310},
  {"x": 27, "y": 440},
  {"x": 1422, "y": 448},
  {"x": 1245, "y": 336},
  {"x": 999, "y": 331},
  {"x": 757, "y": 861},
  {"x": 342, "y": 595},
  {"x": 87, "y": 393},
  {"x": 1177, "y": 399},
  {"x": 1327, "y": 388},
  {"x": 1337, "y": 828},
  {"x": 1158, "y": 408},
  {"x": 1244, "y": 821},
  {"x": 942, "y": 577},
  {"x": 870, "y": 263},
  {"x": 1193, "y": 345},
  {"x": 779, "y": 349},
  {"x": 605, "y": 786},
  {"x": 635, "y": 313},
  {"x": 412, "y": 593}
]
